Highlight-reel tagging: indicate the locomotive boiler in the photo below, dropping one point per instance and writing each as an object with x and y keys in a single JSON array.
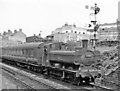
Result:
[{"x": 55, "y": 59}]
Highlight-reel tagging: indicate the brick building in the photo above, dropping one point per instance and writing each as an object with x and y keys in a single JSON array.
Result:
[
  {"x": 68, "y": 33},
  {"x": 9, "y": 38},
  {"x": 34, "y": 38},
  {"x": 108, "y": 32}
]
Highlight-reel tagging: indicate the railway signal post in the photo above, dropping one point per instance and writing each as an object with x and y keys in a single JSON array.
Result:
[{"x": 96, "y": 26}]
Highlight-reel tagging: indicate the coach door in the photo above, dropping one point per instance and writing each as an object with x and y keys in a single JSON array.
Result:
[
  {"x": 39, "y": 53},
  {"x": 44, "y": 54}
]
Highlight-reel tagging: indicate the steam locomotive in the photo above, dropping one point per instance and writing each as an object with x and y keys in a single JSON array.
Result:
[{"x": 55, "y": 59}]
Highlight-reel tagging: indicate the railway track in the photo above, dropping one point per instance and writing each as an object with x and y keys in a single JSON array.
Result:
[
  {"x": 18, "y": 81},
  {"x": 27, "y": 81},
  {"x": 92, "y": 87}
]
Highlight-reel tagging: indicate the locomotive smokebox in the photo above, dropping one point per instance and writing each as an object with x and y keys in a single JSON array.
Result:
[{"x": 85, "y": 43}]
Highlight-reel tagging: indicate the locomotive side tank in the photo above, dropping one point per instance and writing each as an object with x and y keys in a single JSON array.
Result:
[
  {"x": 81, "y": 63},
  {"x": 78, "y": 56}
]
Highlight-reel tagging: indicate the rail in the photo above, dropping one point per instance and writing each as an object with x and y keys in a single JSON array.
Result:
[
  {"x": 11, "y": 75},
  {"x": 92, "y": 88},
  {"x": 14, "y": 73}
]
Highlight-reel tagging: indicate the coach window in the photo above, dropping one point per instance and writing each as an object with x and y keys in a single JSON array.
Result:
[
  {"x": 5, "y": 51},
  {"x": 31, "y": 53},
  {"x": 21, "y": 52},
  {"x": 14, "y": 52},
  {"x": 27, "y": 52},
  {"x": 53, "y": 46},
  {"x": 24, "y": 52},
  {"x": 10, "y": 51},
  {"x": 17, "y": 51},
  {"x": 50, "y": 47}
]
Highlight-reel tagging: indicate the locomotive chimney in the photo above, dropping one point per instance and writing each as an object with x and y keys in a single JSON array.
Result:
[{"x": 85, "y": 43}]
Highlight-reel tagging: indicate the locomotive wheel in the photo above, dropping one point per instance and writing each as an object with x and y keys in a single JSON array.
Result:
[
  {"x": 46, "y": 72},
  {"x": 28, "y": 67},
  {"x": 92, "y": 79},
  {"x": 76, "y": 81},
  {"x": 79, "y": 81},
  {"x": 87, "y": 80}
]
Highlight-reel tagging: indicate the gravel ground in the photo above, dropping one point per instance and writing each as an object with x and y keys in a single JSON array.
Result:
[
  {"x": 39, "y": 78},
  {"x": 6, "y": 83},
  {"x": 103, "y": 49}
]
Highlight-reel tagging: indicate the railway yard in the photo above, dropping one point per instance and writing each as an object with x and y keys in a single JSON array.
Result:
[
  {"x": 26, "y": 79},
  {"x": 71, "y": 58},
  {"x": 21, "y": 74}
]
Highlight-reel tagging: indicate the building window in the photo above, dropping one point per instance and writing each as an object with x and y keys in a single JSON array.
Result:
[
  {"x": 83, "y": 32},
  {"x": 75, "y": 31},
  {"x": 79, "y": 32},
  {"x": 66, "y": 31},
  {"x": 71, "y": 31}
]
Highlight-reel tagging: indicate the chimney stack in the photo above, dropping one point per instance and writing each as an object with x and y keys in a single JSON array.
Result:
[
  {"x": 15, "y": 31},
  {"x": 9, "y": 31},
  {"x": 74, "y": 25},
  {"x": 20, "y": 29},
  {"x": 4, "y": 33}
]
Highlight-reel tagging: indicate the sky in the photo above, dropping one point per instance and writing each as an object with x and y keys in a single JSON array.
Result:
[{"x": 34, "y": 16}]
